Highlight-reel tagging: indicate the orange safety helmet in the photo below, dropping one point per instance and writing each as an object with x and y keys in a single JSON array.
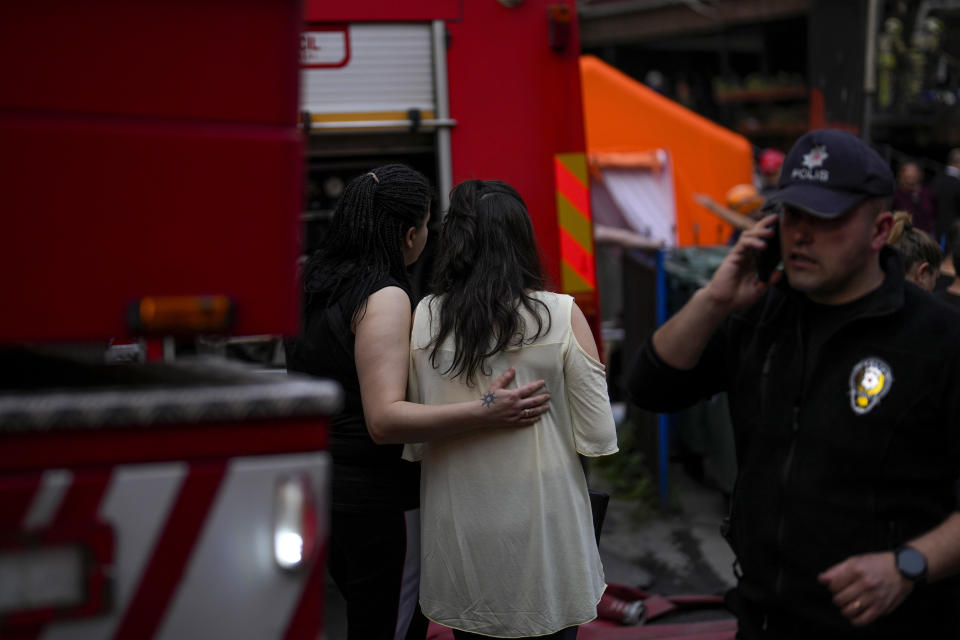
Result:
[{"x": 744, "y": 199}]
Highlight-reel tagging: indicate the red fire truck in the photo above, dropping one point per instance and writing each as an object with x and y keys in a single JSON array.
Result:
[{"x": 151, "y": 185}]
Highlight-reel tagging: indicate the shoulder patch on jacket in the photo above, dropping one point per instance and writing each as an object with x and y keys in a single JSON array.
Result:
[{"x": 870, "y": 381}]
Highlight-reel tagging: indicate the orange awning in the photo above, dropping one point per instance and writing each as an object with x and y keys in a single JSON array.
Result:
[{"x": 622, "y": 116}]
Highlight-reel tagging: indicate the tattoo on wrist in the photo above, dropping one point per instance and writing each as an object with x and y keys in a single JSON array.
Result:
[{"x": 488, "y": 399}]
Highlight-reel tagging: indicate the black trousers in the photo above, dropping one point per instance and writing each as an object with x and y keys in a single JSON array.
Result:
[
  {"x": 759, "y": 623},
  {"x": 570, "y": 633},
  {"x": 374, "y": 560}
]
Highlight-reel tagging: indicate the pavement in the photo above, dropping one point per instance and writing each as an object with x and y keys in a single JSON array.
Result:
[{"x": 678, "y": 550}]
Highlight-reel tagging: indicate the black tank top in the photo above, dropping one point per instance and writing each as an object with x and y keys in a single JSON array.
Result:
[{"x": 366, "y": 476}]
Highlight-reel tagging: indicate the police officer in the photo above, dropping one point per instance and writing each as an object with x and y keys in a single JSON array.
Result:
[{"x": 843, "y": 387}]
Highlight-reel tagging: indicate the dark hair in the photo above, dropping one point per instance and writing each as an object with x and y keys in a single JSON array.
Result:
[
  {"x": 486, "y": 265},
  {"x": 915, "y": 245},
  {"x": 363, "y": 245},
  {"x": 953, "y": 243}
]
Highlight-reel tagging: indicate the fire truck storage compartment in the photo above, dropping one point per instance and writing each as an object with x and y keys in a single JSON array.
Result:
[
  {"x": 335, "y": 158},
  {"x": 378, "y": 98}
]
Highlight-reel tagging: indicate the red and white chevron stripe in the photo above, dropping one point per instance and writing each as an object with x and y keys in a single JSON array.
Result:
[{"x": 186, "y": 548}]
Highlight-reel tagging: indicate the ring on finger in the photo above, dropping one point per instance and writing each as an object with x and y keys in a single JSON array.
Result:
[
  {"x": 857, "y": 605},
  {"x": 525, "y": 413}
]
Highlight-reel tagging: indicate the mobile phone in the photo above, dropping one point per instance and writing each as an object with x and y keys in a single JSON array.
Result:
[{"x": 769, "y": 259}]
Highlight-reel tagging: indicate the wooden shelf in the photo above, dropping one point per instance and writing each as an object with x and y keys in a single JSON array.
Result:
[
  {"x": 772, "y": 94},
  {"x": 773, "y": 129}
]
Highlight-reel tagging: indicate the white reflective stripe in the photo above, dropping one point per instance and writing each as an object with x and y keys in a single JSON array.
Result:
[
  {"x": 231, "y": 563},
  {"x": 53, "y": 486},
  {"x": 233, "y": 560},
  {"x": 410, "y": 582},
  {"x": 137, "y": 504}
]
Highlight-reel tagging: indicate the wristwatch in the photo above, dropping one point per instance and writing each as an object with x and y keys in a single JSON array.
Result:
[{"x": 911, "y": 564}]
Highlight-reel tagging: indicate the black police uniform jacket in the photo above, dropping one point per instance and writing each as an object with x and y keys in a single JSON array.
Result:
[{"x": 850, "y": 450}]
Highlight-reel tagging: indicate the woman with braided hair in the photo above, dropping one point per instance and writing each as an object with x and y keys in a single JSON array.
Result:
[
  {"x": 356, "y": 330},
  {"x": 508, "y": 543}
]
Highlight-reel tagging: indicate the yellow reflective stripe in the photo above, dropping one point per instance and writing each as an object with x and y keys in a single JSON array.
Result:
[
  {"x": 362, "y": 117},
  {"x": 576, "y": 163},
  {"x": 575, "y": 223},
  {"x": 573, "y": 218},
  {"x": 572, "y": 282}
]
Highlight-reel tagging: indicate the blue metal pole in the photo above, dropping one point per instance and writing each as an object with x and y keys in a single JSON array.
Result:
[{"x": 663, "y": 420}]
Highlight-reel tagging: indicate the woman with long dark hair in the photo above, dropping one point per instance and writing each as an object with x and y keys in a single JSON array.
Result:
[
  {"x": 356, "y": 330},
  {"x": 508, "y": 547}
]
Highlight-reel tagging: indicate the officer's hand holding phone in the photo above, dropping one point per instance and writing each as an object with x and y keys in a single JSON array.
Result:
[
  {"x": 769, "y": 259},
  {"x": 736, "y": 283}
]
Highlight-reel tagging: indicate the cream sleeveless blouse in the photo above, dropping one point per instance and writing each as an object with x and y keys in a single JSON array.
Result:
[{"x": 507, "y": 542}]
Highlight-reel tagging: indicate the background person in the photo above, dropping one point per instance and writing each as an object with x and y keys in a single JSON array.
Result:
[
  {"x": 920, "y": 253},
  {"x": 947, "y": 272},
  {"x": 946, "y": 189},
  {"x": 951, "y": 292},
  {"x": 915, "y": 198},
  {"x": 742, "y": 209},
  {"x": 770, "y": 163}
]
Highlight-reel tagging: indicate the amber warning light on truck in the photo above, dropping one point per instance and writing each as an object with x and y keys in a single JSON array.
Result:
[{"x": 170, "y": 315}]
